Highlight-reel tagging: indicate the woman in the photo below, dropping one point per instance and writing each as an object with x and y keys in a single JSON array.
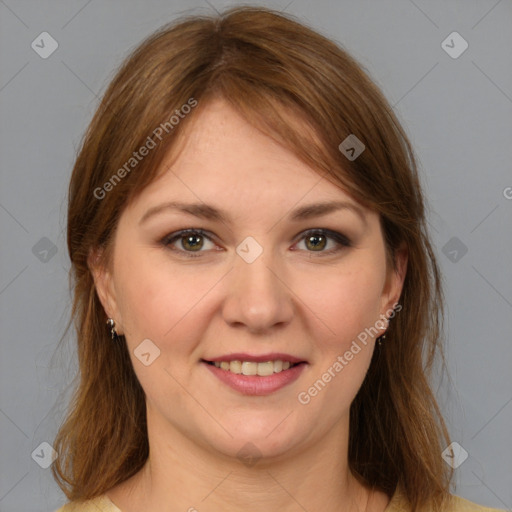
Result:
[{"x": 258, "y": 304}]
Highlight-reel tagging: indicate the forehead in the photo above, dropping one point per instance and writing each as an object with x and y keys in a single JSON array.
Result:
[
  {"x": 220, "y": 150},
  {"x": 224, "y": 168}
]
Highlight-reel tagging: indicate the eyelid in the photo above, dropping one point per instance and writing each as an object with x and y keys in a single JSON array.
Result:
[
  {"x": 339, "y": 238},
  {"x": 169, "y": 239}
]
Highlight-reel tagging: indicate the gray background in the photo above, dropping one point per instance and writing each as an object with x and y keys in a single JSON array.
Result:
[{"x": 458, "y": 112}]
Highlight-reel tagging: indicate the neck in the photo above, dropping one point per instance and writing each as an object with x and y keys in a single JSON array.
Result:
[{"x": 185, "y": 476}]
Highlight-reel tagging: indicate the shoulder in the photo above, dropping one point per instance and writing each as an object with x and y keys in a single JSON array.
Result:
[
  {"x": 99, "y": 504},
  {"x": 460, "y": 504},
  {"x": 456, "y": 503}
]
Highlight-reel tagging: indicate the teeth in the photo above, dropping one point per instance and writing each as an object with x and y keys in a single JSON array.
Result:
[
  {"x": 251, "y": 368},
  {"x": 234, "y": 366},
  {"x": 264, "y": 369}
]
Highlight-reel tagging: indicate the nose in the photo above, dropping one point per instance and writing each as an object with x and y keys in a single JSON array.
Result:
[{"x": 257, "y": 296}]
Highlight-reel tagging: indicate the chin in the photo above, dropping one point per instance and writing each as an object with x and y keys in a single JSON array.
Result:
[{"x": 258, "y": 438}]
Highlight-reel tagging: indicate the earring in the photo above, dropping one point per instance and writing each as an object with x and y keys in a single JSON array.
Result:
[
  {"x": 112, "y": 325},
  {"x": 380, "y": 338}
]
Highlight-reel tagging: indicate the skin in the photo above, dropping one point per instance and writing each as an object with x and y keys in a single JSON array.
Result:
[{"x": 291, "y": 299}]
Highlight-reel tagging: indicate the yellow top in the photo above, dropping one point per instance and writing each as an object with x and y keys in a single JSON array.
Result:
[{"x": 397, "y": 504}]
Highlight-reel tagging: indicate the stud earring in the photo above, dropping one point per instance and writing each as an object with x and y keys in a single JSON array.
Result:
[
  {"x": 112, "y": 326},
  {"x": 380, "y": 339}
]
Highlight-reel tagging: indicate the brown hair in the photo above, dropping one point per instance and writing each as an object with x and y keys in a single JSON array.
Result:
[{"x": 269, "y": 67}]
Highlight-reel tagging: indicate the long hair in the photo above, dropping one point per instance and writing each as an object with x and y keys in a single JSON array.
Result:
[{"x": 272, "y": 69}]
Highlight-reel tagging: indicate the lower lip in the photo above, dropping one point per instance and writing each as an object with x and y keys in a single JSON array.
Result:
[{"x": 254, "y": 384}]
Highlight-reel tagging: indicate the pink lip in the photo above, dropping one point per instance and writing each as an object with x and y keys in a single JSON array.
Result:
[
  {"x": 254, "y": 384},
  {"x": 240, "y": 356}
]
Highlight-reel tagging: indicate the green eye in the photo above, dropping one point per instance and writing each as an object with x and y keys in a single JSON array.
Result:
[
  {"x": 316, "y": 240},
  {"x": 193, "y": 241}
]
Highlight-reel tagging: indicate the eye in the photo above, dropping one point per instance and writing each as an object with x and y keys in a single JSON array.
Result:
[
  {"x": 315, "y": 240},
  {"x": 190, "y": 241}
]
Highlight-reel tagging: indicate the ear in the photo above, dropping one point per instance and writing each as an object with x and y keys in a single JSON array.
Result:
[
  {"x": 104, "y": 284},
  {"x": 394, "y": 281}
]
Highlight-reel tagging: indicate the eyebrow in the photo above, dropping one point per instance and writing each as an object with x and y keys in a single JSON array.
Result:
[{"x": 205, "y": 211}]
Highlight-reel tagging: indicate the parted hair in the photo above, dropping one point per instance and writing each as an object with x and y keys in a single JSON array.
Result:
[{"x": 272, "y": 69}]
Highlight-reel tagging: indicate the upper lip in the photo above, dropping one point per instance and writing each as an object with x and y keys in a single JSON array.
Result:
[{"x": 262, "y": 358}]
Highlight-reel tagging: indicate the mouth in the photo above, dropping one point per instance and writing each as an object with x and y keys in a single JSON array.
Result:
[
  {"x": 256, "y": 375},
  {"x": 251, "y": 368}
]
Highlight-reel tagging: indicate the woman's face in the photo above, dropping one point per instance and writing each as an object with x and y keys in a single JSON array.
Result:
[{"x": 263, "y": 284}]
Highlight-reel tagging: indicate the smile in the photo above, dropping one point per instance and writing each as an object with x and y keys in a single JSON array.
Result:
[
  {"x": 262, "y": 369},
  {"x": 256, "y": 378}
]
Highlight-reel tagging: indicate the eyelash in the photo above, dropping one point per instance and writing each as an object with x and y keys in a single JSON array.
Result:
[{"x": 341, "y": 240}]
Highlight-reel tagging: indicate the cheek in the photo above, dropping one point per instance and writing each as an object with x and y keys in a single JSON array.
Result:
[
  {"x": 161, "y": 304},
  {"x": 345, "y": 304},
  {"x": 158, "y": 301}
]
